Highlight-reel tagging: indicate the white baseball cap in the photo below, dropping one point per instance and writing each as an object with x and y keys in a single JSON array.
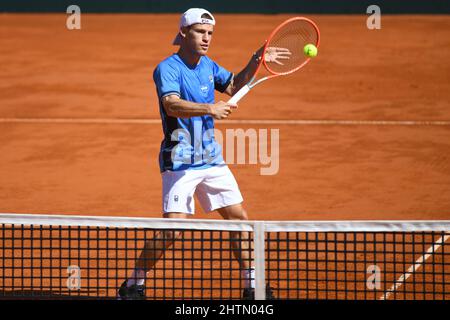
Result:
[{"x": 193, "y": 16}]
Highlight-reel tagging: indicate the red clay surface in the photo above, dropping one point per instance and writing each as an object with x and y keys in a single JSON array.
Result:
[{"x": 400, "y": 72}]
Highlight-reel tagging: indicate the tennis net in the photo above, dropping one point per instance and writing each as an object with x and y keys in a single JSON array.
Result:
[{"x": 87, "y": 257}]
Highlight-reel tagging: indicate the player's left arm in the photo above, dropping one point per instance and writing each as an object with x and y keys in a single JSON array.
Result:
[
  {"x": 244, "y": 76},
  {"x": 272, "y": 54}
]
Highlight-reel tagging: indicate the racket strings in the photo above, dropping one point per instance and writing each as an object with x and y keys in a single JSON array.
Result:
[{"x": 287, "y": 44}]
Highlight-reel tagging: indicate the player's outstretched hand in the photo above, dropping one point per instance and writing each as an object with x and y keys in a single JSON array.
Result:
[
  {"x": 274, "y": 54},
  {"x": 221, "y": 110}
]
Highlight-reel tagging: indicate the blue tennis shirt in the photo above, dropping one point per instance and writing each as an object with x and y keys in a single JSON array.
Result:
[{"x": 189, "y": 142}]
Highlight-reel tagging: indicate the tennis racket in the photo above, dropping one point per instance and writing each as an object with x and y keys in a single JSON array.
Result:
[{"x": 283, "y": 51}]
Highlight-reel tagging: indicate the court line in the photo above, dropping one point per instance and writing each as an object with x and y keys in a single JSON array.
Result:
[
  {"x": 80, "y": 120},
  {"x": 413, "y": 268},
  {"x": 232, "y": 121}
]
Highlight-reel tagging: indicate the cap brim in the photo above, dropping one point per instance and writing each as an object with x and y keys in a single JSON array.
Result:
[{"x": 177, "y": 40}]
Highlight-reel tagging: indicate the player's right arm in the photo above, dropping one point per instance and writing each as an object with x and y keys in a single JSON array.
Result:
[{"x": 179, "y": 108}]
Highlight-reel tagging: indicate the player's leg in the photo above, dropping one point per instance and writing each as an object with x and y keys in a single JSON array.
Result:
[
  {"x": 243, "y": 251},
  {"x": 178, "y": 202},
  {"x": 241, "y": 244},
  {"x": 155, "y": 247},
  {"x": 240, "y": 240},
  {"x": 220, "y": 191},
  {"x": 134, "y": 287}
]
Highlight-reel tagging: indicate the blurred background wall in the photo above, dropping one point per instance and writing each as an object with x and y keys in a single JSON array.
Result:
[{"x": 230, "y": 6}]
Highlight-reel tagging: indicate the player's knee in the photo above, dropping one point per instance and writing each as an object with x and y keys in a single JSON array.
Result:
[
  {"x": 171, "y": 235},
  {"x": 244, "y": 215},
  {"x": 239, "y": 215},
  {"x": 236, "y": 212}
]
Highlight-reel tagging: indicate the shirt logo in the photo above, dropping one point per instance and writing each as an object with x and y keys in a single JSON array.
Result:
[
  {"x": 204, "y": 89},
  {"x": 211, "y": 79}
]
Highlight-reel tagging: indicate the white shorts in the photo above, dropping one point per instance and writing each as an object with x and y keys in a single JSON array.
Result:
[{"x": 214, "y": 188}]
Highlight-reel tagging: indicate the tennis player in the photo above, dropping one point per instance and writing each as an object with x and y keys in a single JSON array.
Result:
[{"x": 190, "y": 159}]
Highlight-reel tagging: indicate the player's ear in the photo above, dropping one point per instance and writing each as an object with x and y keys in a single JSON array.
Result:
[{"x": 184, "y": 31}]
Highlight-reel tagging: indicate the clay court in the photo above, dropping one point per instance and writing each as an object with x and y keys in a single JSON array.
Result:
[
  {"x": 364, "y": 128},
  {"x": 327, "y": 171}
]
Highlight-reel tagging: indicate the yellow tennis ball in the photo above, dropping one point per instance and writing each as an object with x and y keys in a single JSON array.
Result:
[{"x": 310, "y": 50}]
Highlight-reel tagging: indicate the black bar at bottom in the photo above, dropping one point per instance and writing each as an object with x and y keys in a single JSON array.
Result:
[{"x": 180, "y": 310}]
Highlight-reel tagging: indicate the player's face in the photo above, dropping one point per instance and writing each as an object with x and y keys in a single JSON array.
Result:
[{"x": 198, "y": 38}]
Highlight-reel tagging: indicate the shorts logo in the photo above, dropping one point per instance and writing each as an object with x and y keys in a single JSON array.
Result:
[{"x": 175, "y": 198}]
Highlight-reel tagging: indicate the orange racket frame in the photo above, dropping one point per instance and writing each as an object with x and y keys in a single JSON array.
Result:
[{"x": 246, "y": 88}]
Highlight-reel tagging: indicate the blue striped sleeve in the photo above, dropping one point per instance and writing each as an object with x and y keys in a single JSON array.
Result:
[{"x": 167, "y": 80}]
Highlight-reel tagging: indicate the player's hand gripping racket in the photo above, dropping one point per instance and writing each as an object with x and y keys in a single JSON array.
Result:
[{"x": 283, "y": 52}]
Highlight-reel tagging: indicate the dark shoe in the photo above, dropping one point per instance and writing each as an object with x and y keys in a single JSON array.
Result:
[
  {"x": 134, "y": 292},
  {"x": 249, "y": 293}
]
